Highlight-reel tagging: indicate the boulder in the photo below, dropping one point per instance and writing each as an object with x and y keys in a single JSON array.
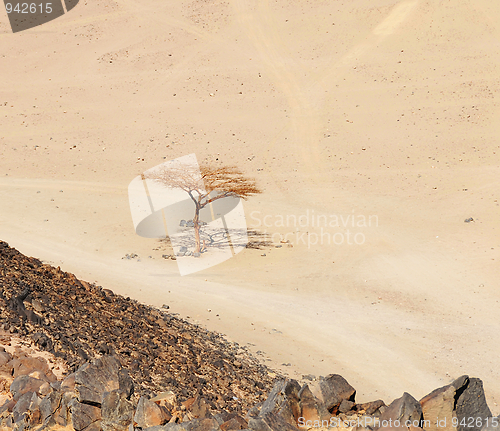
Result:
[
  {"x": 149, "y": 414},
  {"x": 24, "y": 384},
  {"x": 26, "y": 365},
  {"x": 282, "y": 402},
  {"x": 371, "y": 408},
  {"x": 94, "y": 378},
  {"x": 84, "y": 416},
  {"x": 68, "y": 384},
  {"x": 21, "y": 408},
  {"x": 197, "y": 408},
  {"x": 492, "y": 424},
  {"x": 116, "y": 411},
  {"x": 311, "y": 409},
  {"x": 471, "y": 407},
  {"x": 235, "y": 423},
  {"x": 335, "y": 389},
  {"x": 271, "y": 423},
  {"x": 402, "y": 412},
  {"x": 49, "y": 405},
  {"x": 437, "y": 409}
]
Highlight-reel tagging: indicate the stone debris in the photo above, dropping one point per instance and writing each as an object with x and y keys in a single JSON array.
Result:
[{"x": 129, "y": 367}]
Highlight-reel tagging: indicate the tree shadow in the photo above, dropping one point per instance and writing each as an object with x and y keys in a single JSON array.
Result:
[{"x": 219, "y": 239}]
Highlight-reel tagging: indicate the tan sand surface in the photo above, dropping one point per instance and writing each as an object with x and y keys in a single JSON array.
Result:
[{"x": 353, "y": 109}]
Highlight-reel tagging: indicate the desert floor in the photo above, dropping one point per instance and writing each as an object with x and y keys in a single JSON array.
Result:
[{"x": 363, "y": 108}]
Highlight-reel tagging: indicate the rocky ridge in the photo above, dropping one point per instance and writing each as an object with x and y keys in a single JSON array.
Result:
[
  {"x": 181, "y": 378},
  {"x": 78, "y": 321}
]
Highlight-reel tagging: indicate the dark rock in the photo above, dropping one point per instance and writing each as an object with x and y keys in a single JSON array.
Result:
[
  {"x": 94, "y": 378},
  {"x": 335, "y": 389},
  {"x": 282, "y": 402},
  {"x": 84, "y": 415},
  {"x": 24, "y": 384},
  {"x": 125, "y": 383},
  {"x": 492, "y": 424},
  {"x": 471, "y": 403},
  {"x": 346, "y": 406},
  {"x": 402, "y": 410},
  {"x": 49, "y": 405},
  {"x": 197, "y": 408},
  {"x": 21, "y": 408},
  {"x": 116, "y": 411},
  {"x": 371, "y": 407},
  {"x": 311, "y": 409}
]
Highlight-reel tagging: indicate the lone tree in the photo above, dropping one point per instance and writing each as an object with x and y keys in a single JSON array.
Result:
[{"x": 213, "y": 184}]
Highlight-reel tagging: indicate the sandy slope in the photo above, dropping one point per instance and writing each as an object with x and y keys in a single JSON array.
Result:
[{"x": 358, "y": 108}]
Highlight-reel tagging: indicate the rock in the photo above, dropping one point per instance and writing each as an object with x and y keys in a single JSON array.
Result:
[
  {"x": 26, "y": 365},
  {"x": 68, "y": 384},
  {"x": 21, "y": 408},
  {"x": 165, "y": 398},
  {"x": 197, "y": 408},
  {"x": 116, "y": 411},
  {"x": 125, "y": 383},
  {"x": 194, "y": 425},
  {"x": 183, "y": 249},
  {"x": 5, "y": 358},
  {"x": 62, "y": 415},
  {"x": 371, "y": 407},
  {"x": 311, "y": 409},
  {"x": 24, "y": 384},
  {"x": 272, "y": 423},
  {"x": 182, "y": 223},
  {"x": 439, "y": 406},
  {"x": 335, "y": 389},
  {"x": 149, "y": 414},
  {"x": 471, "y": 403},
  {"x": 84, "y": 415},
  {"x": 34, "y": 414},
  {"x": 49, "y": 405},
  {"x": 94, "y": 378},
  {"x": 282, "y": 403},
  {"x": 235, "y": 423},
  {"x": 402, "y": 412},
  {"x": 492, "y": 424},
  {"x": 346, "y": 406}
]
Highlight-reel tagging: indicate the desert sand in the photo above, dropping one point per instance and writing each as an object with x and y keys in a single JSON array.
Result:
[{"x": 364, "y": 108}]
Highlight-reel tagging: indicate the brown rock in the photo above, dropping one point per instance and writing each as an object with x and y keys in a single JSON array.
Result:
[
  {"x": 437, "y": 409},
  {"x": 282, "y": 402},
  {"x": 84, "y": 415},
  {"x": 24, "y": 384},
  {"x": 26, "y": 365},
  {"x": 116, "y": 411},
  {"x": 402, "y": 412},
  {"x": 335, "y": 389},
  {"x": 371, "y": 407},
  {"x": 311, "y": 409},
  {"x": 94, "y": 378},
  {"x": 235, "y": 423},
  {"x": 149, "y": 414}
]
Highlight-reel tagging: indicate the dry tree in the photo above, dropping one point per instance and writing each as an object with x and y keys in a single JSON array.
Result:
[{"x": 213, "y": 184}]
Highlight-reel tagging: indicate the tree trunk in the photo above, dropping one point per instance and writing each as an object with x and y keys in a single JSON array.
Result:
[{"x": 196, "y": 222}]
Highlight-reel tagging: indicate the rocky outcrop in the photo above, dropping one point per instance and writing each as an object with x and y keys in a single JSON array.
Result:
[
  {"x": 78, "y": 321},
  {"x": 134, "y": 368}
]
